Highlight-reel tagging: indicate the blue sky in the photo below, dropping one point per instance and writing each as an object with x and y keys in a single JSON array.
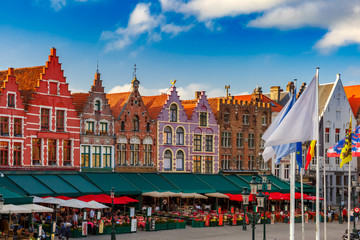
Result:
[{"x": 204, "y": 44}]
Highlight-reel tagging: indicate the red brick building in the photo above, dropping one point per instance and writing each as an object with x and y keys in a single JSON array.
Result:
[
  {"x": 242, "y": 119},
  {"x": 96, "y": 128},
  {"x": 135, "y": 132},
  {"x": 39, "y": 123}
]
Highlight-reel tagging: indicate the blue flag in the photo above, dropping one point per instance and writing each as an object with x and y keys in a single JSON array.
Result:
[{"x": 299, "y": 155}]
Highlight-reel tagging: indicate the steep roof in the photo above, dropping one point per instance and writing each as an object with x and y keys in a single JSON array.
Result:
[
  {"x": 117, "y": 102},
  {"x": 27, "y": 78},
  {"x": 353, "y": 95},
  {"x": 324, "y": 93},
  {"x": 189, "y": 106},
  {"x": 154, "y": 104},
  {"x": 79, "y": 100}
]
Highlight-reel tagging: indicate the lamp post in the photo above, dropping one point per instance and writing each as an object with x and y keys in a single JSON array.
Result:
[
  {"x": 340, "y": 206},
  {"x": 254, "y": 217},
  {"x": 245, "y": 194},
  {"x": 266, "y": 186},
  {"x": 113, "y": 237},
  {"x": 355, "y": 188}
]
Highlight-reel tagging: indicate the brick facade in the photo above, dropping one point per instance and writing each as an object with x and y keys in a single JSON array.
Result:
[
  {"x": 96, "y": 128},
  {"x": 48, "y": 130},
  {"x": 135, "y": 132}
]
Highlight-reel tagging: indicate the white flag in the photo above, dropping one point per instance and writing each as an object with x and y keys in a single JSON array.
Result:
[
  {"x": 268, "y": 153},
  {"x": 299, "y": 125}
]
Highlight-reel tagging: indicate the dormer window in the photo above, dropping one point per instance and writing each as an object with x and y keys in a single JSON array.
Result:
[
  {"x": 11, "y": 100},
  {"x": 173, "y": 113}
]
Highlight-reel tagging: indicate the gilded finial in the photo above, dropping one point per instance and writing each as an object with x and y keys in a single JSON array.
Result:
[{"x": 173, "y": 82}]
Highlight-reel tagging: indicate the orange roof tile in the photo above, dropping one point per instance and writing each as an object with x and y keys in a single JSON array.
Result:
[
  {"x": 189, "y": 106},
  {"x": 27, "y": 78},
  {"x": 353, "y": 95},
  {"x": 79, "y": 100},
  {"x": 117, "y": 102},
  {"x": 154, "y": 104}
]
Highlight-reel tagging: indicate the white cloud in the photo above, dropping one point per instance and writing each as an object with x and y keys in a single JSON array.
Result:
[
  {"x": 141, "y": 22},
  {"x": 340, "y": 18},
  {"x": 187, "y": 92},
  {"x": 206, "y": 10},
  {"x": 57, "y": 5}
]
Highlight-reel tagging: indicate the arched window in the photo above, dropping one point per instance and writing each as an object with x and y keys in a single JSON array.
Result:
[
  {"x": 136, "y": 123},
  {"x": 168, "y": 135},
  {"x": 122, "y": 126},
  {"x": 180, "y": 161},
  {"x": 180, "y": 136},
  {"x": 97, "y": 106},
  {"x": 167, "y": 160},
  {"x": 173, "y": 113}
]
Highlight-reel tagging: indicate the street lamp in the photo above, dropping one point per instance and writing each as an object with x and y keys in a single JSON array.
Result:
[
  {"x": 245, "y": 194},
  {"x": 340, "y": 206},
  {"x": 265, "y": 187},
  {"x": 254, "y": 217},
  {"x": 355, "y": 188},
  {"x": 113, "y": 237}
]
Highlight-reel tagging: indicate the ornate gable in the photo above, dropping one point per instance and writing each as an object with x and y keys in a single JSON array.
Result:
[{"x": 173, "y": 98}]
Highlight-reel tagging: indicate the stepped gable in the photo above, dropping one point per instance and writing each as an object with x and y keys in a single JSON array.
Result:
[
  {"x": 27, "y": 79},
  {"x": 117, "y": 102},
  {"x": 154, "y": 104}
]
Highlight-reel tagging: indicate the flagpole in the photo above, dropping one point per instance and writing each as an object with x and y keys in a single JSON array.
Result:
[
  {"x": 292, "y": 196},
  {"x": 325, "y": 203},
  {"x": 317, "y": 158},
  {"x": 302, "y": 205},
  {"x": 349, "y": 199}
]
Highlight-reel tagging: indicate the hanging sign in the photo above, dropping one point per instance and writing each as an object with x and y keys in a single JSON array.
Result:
[{"x": 133, "y": 224}]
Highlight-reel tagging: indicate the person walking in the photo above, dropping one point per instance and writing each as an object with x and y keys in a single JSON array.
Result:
[{"x": 344, "y": 214}]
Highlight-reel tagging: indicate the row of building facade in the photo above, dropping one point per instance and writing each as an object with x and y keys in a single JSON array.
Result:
[{"x": 46, "y": 127}]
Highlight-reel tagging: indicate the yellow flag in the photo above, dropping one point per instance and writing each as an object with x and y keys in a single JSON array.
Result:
[{"x": 345, "y": 154}]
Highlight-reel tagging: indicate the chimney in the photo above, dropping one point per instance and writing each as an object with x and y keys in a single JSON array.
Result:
[
  {"x": 275, "y": 93},
  {"x": 197, "y": 94}
]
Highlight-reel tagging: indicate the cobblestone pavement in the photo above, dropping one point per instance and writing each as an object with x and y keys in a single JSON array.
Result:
[{"x": 278, "y": 231}]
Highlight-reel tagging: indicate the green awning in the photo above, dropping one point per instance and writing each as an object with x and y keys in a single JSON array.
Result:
[
  {"x": 188, "y": 182},
  {"x": 106, "y": 181},
  {"x": 238, "y": 181},
  {"x": 31, "y": 185},
  {"x": 220, "y": 183},
  {"x": 306, "y": 188},
  {"x": 284, "y": 187},
  {"x": 161, "y": 183},
  {"x": 140, "y": 182},
  {"x": 7, "y": 183},
  {"x": 274, "y": 186},
  {"x": 81, "y": 184},
  {"x": 11, "y": 197},
  {"x": 57, "y": 184}
]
